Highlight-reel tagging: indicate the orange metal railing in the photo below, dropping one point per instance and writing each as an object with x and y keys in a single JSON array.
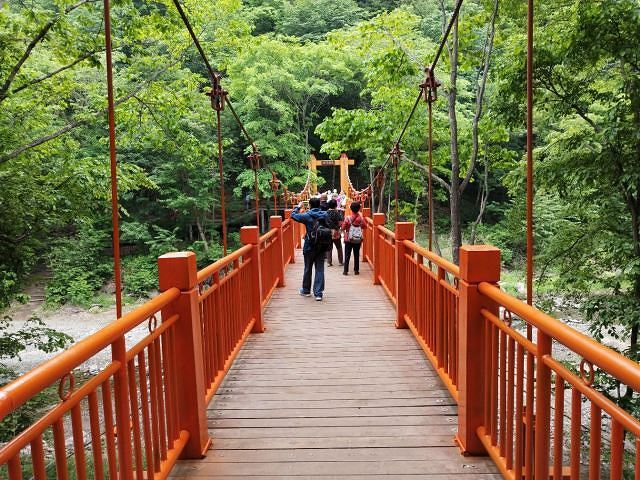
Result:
[
  {"x": 433, "y": 314},
  {"x": 271, "y": 263},
  {"x": 537, "y": 409},
  {"x": 385, "y": 241},
  {"x": 128, "y": 420},
  {"x": 224, "y": 329},
  {"x": 132, "y": 405},
  {"x": 519, "y": 401}
]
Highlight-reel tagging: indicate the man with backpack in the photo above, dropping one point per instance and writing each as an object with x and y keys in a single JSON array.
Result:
[
  {"x": 317, "y": 241},
  {"x": 353, "y": 227}
]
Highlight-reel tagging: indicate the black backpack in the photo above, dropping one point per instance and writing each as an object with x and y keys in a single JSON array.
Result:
[{"x": 320, "y": 236}]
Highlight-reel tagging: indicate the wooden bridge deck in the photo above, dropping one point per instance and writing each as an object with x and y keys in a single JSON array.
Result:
[{"x": 332, "y": 390}]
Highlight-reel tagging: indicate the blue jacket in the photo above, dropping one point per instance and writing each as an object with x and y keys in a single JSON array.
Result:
[{"x": 307, "y": 219}]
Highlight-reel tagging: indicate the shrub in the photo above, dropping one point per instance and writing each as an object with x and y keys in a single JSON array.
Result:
[
  {"x": 140, "y": 275},
  {"x": 78, "y": 267}
]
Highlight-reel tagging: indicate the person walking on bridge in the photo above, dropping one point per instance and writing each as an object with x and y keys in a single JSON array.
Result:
[
  {"x": 353, "y": 227},
  {"x": 334, "y": 222},
  {"x": 317, "y": 241}
]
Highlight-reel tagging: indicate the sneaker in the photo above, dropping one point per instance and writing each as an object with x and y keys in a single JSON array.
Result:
[
  {"x": 341, "y": 264},
  {"x": 356, "y": 273},
  {"x": 345, "y": 273},
  {"x": 305, "y": 294},
  {"x": 329, "y": 264},
  {"x": 318, "y": 299}
]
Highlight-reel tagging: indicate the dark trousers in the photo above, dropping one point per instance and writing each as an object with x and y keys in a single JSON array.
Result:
[
  {"x": 338, "y": 243},
  {"x": 355, "y": 248},
  {"x": 313, "y": 260}
]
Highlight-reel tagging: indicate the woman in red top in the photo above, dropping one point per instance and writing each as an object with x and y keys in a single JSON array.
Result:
[{"x": 353, "y": 227}]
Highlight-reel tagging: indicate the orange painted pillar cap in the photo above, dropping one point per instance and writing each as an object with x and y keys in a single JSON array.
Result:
[
  {"x": 249, "y": 235},
  {"x": 177, "y": 269},
  {"x": 479, "y": 263},
  {"x": 275, "y": 221},
  {"x": 379, "y": 218},
  {"x": 404, "y": 230}
]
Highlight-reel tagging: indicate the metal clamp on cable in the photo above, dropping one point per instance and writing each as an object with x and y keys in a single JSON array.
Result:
[
  {"x": 217, "y": 94},
  {"x": 430, "y": 86},
  {"x": 395, "y": 154}
]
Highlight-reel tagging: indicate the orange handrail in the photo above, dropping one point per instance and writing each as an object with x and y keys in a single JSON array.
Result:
[{"x": 25, "y": 387}]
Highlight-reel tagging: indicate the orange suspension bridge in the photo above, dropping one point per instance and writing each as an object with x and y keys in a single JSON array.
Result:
[{"x": 435, "y": 371}]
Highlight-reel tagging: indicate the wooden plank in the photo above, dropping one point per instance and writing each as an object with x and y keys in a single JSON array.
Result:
[
  {"x": 325, "y": 395},
  {"x": 406, "y": 467},
  {"x": 332, "y": 421}
]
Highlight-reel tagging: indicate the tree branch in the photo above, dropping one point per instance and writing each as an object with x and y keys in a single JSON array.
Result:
[
  {"x": 480, "y": 95},
  {"x": 4, "y": 89},
  {"x": 67, "y": 128},
  {"x": 54, "y": 73},
  {"x": 426, "y": 169}
]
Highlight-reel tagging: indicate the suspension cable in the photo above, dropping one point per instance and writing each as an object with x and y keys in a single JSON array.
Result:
[
  {"x": 445, "y": 35},
  {"x": 430, "y": 110},
  {"x": 112, "y": 160},
  {"x": 222, "y": 192}
]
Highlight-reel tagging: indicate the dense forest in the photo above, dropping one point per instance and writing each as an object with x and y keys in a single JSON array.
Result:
[{"x": 324, "y": 77}]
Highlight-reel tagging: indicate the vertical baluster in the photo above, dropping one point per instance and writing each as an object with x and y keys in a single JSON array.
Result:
[
  {"x": 160, "y": 398},
  {"x": 155, "y": 423},
  {"x": 206, "y": 332},
  {"x": 558, "y": 429},
  {"x": 174, "y": 382},
  {"x": 135, "y": 419},
  {"x": 510, "y": 376},
  {"x": 37, "y": 459},
  {"x": 595, "y": 438},
  {"x": 96, "y": 440},
  {"x": 487, "y": 377},
  {"x": 62, "y": 472},
  {"x": 637, "y": 468},
  {"x": 219, "y": 330},
  {"x": 210, "y": 339},
  {"x": 528, "y": 449},
  {"x": 78, "y": 442},
  {"x": 576, "y": 427},
  {"x": 107, "y": 410},
  {"x": 166, "y": 381},
  {"x": 503, "y": 393},
  {"x": 15, "y": 468},
  {"x": 494, "y": 385},
  {"x": 617, "y": 450},
  {"x": 146, "y": 421},
  {"x": 519, "y": 413}
]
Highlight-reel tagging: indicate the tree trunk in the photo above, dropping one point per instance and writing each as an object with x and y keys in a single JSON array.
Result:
[{"x": 203, "y": 236}]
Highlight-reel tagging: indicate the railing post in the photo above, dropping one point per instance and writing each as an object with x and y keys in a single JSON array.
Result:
[
  {"x": 378, "y": 219},
  {"x": 287, "y": 216},
  {"x": 404, "y": 231},
  {"x": 366, "y": 213},
  {"x": 542, "y": 431},
  {"x": 276, "y": 222},
  {"x": 251, "y": 236},
  {"x": 478, "y": 263},
  {"x": 121, "y": 398},
  {"x": 178, "y": 270}
]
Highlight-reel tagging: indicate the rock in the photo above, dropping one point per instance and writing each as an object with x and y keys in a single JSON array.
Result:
[
  {"x": 521, "y": 288},
  {"x": 94, "y": 309},
  {"x": 109, "y": 288}
]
